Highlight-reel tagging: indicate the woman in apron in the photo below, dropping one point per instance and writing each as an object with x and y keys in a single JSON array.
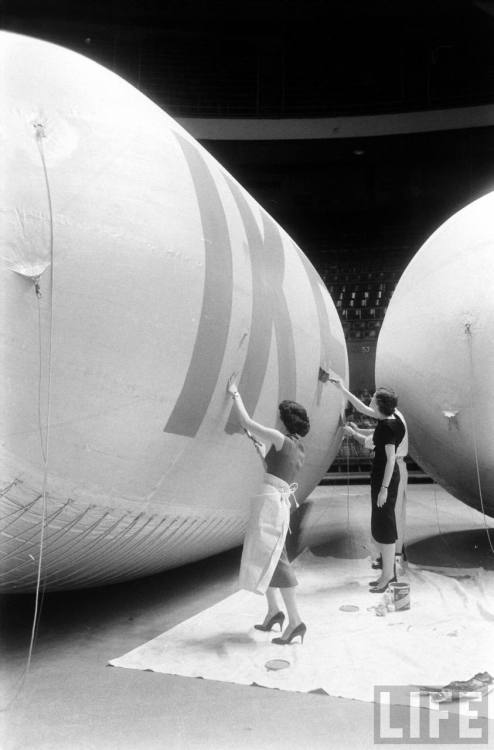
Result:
[
  {"x": 264, "y": 567},
  {"x": 365, "y": 437},
  {"x": 401, "y": 499}
]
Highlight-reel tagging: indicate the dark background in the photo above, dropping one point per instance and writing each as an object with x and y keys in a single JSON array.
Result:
[
  {"x": 279, "y": 57},
  {"x": 339, "y": 199}
]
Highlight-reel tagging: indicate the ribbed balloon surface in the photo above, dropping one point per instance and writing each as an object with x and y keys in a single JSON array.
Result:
[
  {"x": 436, "y": 348},
  {"x": 136, "y": 276}
]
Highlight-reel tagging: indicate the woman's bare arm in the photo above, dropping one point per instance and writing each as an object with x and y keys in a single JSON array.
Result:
[
  {"x": 388, "y": 473},
  {"x": 354, "y": 433},
  {"x": 267, "y": 435},
  {"x": 356, "y": 402},
  {"x": 366, "y": 431}
]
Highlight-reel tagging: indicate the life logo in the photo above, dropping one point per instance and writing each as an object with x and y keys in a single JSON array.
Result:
[{"x": 407, "y": 715}]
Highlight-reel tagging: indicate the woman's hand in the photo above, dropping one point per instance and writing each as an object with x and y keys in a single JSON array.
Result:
[
  {"x": 336, "y": 381},
  {"x": 347, "y": 431},
  {"x": 231, "y": 387},
  {"x": 382, "y": 497}
]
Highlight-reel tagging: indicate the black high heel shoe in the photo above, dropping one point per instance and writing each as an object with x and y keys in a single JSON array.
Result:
[
  {"x": 277, "y": 619},
  {"x": 373, "y": 584},
  {"x": 300, "y": 630},
  {"x": 393, "y": 580},
  {"x": 377, "y": 564},
  {"x": 382, "y": 589}
]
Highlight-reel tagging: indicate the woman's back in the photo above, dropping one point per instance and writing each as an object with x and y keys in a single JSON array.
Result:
[
  {"x": 388, "y": 431},
  {"x": 286, "y": 462}
]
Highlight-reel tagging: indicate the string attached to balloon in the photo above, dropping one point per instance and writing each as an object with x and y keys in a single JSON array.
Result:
[
  {"x": 452, "y": 417},
  {"x": 40, "y": 135},
  {"x": 44, "y": 440},
  {"x": 468, "y": 332}
]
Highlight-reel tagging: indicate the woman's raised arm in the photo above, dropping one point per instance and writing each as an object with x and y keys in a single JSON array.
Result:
[
  {"x": 356, "y": 402},
  {"x": 267, "y": 435}
]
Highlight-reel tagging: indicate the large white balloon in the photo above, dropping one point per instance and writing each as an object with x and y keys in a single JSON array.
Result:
[
  {"x": 436, "y": 348},
  {"x": 136, "y": 276}
]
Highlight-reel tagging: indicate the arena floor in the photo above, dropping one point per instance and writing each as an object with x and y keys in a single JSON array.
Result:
[{"x": 71, "y": 699}]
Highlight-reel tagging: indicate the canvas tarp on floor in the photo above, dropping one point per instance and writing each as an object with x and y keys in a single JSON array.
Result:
[{"x": 446, "y": 635}]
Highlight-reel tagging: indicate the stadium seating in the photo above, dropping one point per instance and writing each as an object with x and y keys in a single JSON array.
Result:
[{"x": 361, "y": 293}]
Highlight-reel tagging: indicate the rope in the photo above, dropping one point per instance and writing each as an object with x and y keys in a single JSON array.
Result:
[
  {"x": 44, "y": 444},
  {"x": 441, "y": 535},
  {"x": 40, "y": 134},
  {"x": 23, "y": 509},
  {"x": 347, "y": 451},
  {"x": 8, "y": 487},
  {"x": 468, "y": 331},
  {"x": 349, "y": 534}
]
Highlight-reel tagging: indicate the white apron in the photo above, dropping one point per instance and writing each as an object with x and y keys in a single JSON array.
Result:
[
  {"x": 266, "y": 533},
  {"x": 401, "y": 503}
]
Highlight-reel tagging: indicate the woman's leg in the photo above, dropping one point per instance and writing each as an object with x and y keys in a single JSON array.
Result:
[
  {"x": 376, "y": 559},
  {"x": 274, "y": 602},
  {"x": 388, "y": 558},
  {"x": 294, "y": 618},
  {"x": 274, "y": 612},
  {"x": 383, "y": 524},
  {"x": 400, "y": 507},
  {"x": 388, "y": 555}
]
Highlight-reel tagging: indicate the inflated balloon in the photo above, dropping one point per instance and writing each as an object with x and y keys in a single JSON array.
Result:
[
  {"x": 436, "y": 349},
  {"x": 136, "y": 276}
]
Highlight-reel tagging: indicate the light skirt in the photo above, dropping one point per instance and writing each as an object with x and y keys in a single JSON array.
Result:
[{"x": 266, "y": 533}]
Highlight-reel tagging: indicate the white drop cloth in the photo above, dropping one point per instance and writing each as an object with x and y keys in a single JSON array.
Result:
[{"x": 446, "y": 635}]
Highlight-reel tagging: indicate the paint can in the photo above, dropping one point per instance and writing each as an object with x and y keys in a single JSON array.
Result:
[
  {"x": 274, "y": 665},
  {"x": 400, "y": 593}
]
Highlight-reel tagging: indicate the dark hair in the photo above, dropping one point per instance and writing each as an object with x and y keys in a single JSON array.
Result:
[
  {"x": 294, "y": 417},
  {"x": 386, "y": 400}
]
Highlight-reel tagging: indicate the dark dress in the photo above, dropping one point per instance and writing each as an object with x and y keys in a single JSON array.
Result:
[
  {"x": 383, "y": 522},
  {"x": 285, "y": 464}
]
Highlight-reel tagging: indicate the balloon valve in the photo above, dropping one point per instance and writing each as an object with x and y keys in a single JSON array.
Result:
[
  {"x": 40, "y": 129},
  {"x": 323, "y": 375},
  {"x": 451, "y": 416},
  {"x": 37, "y": 286}
]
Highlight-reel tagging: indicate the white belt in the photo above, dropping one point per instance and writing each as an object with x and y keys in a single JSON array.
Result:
[{"x": 286, "y": 490}]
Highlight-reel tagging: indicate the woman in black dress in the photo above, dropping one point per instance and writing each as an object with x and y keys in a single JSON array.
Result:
[{"x": 385, "y": 477}]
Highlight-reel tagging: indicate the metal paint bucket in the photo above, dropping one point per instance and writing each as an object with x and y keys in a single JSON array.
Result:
[{"x": 400, "y": 593}]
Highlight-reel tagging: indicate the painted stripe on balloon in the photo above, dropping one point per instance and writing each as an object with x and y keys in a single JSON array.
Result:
[
  {"x": 333, "y": 353},
  {"x": 210, "y": 344},
  {"x": 269, "y": 307},
  {"x": 274, "y": 268}
]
